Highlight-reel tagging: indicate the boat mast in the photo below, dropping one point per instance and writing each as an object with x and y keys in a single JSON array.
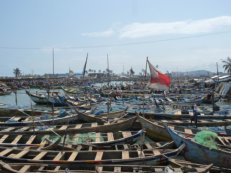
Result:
[
  {"x": 108, "y": 71},
  {"x": 53, "y": 64},
  {"x": 84, "y": 68}
]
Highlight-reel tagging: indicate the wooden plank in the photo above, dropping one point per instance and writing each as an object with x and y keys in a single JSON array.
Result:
[
  {"x": 99, "y": 155},
  {"x": 23, "y": 129},
  {"x": 148, "y": 146},
  {"x": 97, "y": 137},
  {"x": 126, "y": 147},
  {"x": 156, "y": 152},
  {"x": 57, "y": 168},
  {"x": 15, "y": 141},
  {"x": 158, "y": 170},
  {"x": 158, "y": 144},
  {"x": 126, "y": 134},
  {"x": 79, "y": 147},
  {"x": 125, "y": 155},
  {"x": 189, "y": 131},
  {"x": 21, "y": 154},
  {"x": 93, "y": 124},
  {"x": 73, "y": 156},
  {"x": 6, "y": 151},
  {"x": 31, "y": 139},
  {"x": 110, "y": 136},
  {"x": 220, "y": 139},
  {"x": 40, "y": 155},
  {"x": 178, "y": 170},
  {"x": 15, "y": 118},
  {"x": 58, "y": 156},
  {"x": 117, "y": 169},
  {"x": 24, "y": 168},
  {"x": 3, "y": 138},
  {"x": 99, "y": 168},
  {"x": 78, "y": 126},
  {"x": 8, "y": 129},
  {"x": 64, "y": 127}
]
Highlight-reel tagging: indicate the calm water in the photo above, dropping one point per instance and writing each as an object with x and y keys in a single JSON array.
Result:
[{"x": 22, "y": 98}]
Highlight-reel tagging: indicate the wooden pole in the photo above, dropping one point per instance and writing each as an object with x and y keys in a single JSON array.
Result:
[{"x": 53, "y": 64}]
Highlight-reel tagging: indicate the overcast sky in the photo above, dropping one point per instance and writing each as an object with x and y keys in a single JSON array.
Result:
[{"x": 176, "y": 35}]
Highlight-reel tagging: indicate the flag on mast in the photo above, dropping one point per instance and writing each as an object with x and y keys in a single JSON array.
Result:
[{"x": 157, "y": 79}]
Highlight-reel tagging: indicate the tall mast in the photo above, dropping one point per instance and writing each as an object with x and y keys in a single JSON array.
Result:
[
  {"x": 85, "y": 65},
  {"x": 146, "y": 67},
  {"x": 108, "y": 70},
  {"x": 53, "y": 61}
]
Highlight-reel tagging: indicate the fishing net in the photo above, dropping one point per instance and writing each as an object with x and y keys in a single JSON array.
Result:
[{"x": 206, "y": 138}]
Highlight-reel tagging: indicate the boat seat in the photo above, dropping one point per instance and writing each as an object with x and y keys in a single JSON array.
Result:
[
  {"x": 93, "y": 124},
  {"x": 73, "y": 156},
  {"x": 15, "y": 141},
  {"x": 3, "y": 138},
  {"x": 6, "y": 151},
  {"x": 117, "y": 169},
  {"x": 31, "y": 139},
  {"x": 78, "y": 126},
  {"x": 97, "y": 137},
  {"x": 110, "y": 136},
  {"x": 19, "y": 155},
  {"x": 189, "y": 131},
  {"x": 125, "y": 154},
  {"x": 58, "y": 156},
  {"x": 126, "y": 134},
  {"x": 64, "y": 127},
  {"x": 99, "y": 155},
  {"x": 156, "y": 152}
]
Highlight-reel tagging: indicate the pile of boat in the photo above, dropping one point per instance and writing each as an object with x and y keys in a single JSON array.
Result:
[{"x": 111, "y": 134}]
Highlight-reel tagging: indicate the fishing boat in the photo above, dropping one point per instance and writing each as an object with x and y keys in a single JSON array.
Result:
[
  {"x": 120, "y": 125},
  {"x": 94, "y": 157},
  {"x": 43, "y": 99},
  {"x": 32, "y": 121},
  {"x": 90, "y": 139},
  {"x": 198, "y": 153},
  {"x": 106, "y": 168},
  {"x": 179, "y": 116},
  {"x": 157, "y": 130}
]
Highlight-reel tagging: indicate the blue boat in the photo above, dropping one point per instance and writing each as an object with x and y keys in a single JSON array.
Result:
[{"x": 198, "y": 153}]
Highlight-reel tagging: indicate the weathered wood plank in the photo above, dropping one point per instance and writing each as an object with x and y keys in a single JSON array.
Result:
[
  {"x": 64, "y": 127},
  {"x": 78, "y": 126},
  {"x": 99, "y": 155},
  {"x": 73, "y": 156},
  {"x": 125, "y": 155},
  {"x": 3, "y": 138},
  {"x": 6, "y": 151},
  {"x": 97, "y": 137},
  {"x": 15, "y": 141},
  {"x": 110, "y": 136},
  {"x": 94, "y": 125},
  {"x": 126, "y": 134}
]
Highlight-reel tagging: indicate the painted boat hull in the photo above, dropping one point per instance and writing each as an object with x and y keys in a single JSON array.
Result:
[{"x": 195, "y": 152}]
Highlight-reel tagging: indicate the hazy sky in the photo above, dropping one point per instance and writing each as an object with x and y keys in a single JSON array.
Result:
[{"x": 178, "y": 35}]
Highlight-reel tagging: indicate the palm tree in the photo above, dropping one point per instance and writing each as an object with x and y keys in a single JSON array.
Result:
[
  {"x": 227, "y": 65},
  {"x": 17, "y": 72}
]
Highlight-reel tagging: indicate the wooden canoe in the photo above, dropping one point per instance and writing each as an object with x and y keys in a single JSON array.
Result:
[
  {"x": 198, "y": 153},
  {"x": 153, "y": 157},
  {"x": 96, "y": 139},
  {"x": 165, "y": 116},
  {"x": 19, "y": 121},
  {"x": 124, "y": 124},
  {"x": 112, "y": 168},
  {"x": 157, "y": 130}
]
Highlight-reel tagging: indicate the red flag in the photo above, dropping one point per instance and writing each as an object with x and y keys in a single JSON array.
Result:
[{"x": 158, "y": 80}]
